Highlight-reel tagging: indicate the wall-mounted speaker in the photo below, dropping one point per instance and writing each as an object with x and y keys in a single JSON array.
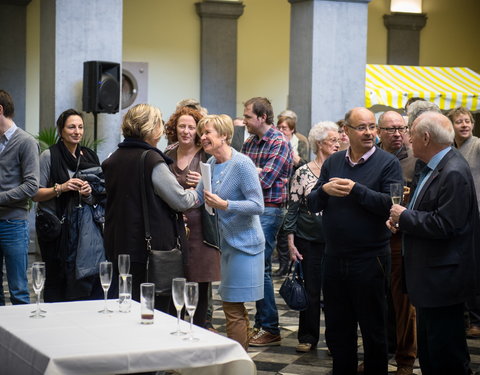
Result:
[{"x": 101, "y": 87}]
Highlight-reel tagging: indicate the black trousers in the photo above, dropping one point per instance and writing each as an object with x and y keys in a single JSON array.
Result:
[
  {"x": 442, "y": 345},
  {"x": 309, "y": 322},
  {"x": 354, "y": 293}
]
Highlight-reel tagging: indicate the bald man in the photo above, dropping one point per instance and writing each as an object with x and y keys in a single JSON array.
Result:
[
  {"x": 353, "y": 192},
  {"x": 440, "y": 245}
]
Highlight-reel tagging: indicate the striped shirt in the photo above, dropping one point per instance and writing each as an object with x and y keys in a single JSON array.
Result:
[{"x": 273, "y": 154}]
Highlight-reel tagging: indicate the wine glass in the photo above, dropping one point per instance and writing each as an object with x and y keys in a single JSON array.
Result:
[
  {"x": 178, "y": 290},
  {"x": 106, "y": 269},
  {"x": 38, "y": 280},
  {"x": 396, "y": 193},
  {"x": 191, "y": 300}
]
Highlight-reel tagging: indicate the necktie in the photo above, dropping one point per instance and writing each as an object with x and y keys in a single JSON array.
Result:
[{"x": 425, "y": 171}]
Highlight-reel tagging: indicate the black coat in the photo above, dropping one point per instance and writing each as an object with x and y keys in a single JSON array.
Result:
[{"x": 440, "y": 237}]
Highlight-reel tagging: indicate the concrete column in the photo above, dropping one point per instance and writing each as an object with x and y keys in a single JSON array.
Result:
[
  {"x": 218, "y": 66},
  {"x": 328, "y": 48},
  {"x": 13, "y": 27},
  {"x": 403, "y": 43},
  {"x": 72, "y": 32}
]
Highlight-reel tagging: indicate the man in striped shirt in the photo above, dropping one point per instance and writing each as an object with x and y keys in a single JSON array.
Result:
[{"x": 272, "y": 155}]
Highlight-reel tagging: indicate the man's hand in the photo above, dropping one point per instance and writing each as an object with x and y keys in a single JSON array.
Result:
[
  {"x": 393, "y": 227},
  {"x": 395, "y": 213},
  {"x": 338, "y": 187}
]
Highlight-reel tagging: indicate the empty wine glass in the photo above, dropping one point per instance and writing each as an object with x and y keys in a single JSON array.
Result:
[
  {"x": 38, "y": 280},
  {"x": 178, "y": 290},
  {"x": 123, "y": 264},
  {"x": 106, "y": 269},
  {"x": 191, "y": 300}
]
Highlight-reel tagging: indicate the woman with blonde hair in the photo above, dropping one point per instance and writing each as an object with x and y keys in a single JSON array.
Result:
[
  {"x": 142, "y": 128},
  {"x": 237, "y": 199}
]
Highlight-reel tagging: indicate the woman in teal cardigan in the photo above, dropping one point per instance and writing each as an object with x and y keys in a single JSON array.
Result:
[{"x": 238, "y": 201}]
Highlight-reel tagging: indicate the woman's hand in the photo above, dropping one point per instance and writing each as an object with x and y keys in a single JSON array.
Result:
[
  {"x": 213, "y": 200},
  {"x": 193, "y": 178},
  {"x": 86, "y": 189},
  {"x": 74, "y": 184},
  {"x": 294, "y": 253}
]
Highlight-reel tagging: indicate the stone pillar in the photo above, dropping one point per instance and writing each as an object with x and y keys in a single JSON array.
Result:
[
  {"x": 72, "y": 32},
  {"x": 328, "y": 48},
  {"x": 403, "y": 41},
  {"x": 218, "y": 66},
  {"x": 13, "y": 28}
]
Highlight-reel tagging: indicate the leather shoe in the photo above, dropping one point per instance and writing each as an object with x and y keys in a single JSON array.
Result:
[
  {"x": 473, "y": 332},
  {"x": 304, "y": 347},
  {"x": 404, "y": 370},
  {"x": 361, "y": 368}
]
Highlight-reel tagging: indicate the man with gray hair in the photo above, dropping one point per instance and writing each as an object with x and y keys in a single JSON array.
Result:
[
  {"x": 417, "y": 108},
  {"x": 440, "y": 246},
  {"x": 19, "y": 180}
]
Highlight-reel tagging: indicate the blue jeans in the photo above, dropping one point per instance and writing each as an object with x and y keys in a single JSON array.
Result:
[
  {"x": 14, "y": 237},
  {"x": 266, "y": 316}
]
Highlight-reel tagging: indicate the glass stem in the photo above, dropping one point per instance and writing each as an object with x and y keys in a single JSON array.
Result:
[
  {"x": 178, "y": 319},
  {"x": 38, "y": 303},
  {"x": 105, "y": 294},
  {"x": 191, "y": 326}
]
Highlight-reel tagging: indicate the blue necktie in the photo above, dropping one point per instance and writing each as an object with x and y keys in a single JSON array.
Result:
[{"x": 425, "y": 171}]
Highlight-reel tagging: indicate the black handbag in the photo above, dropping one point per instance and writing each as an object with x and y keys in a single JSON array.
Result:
[
  {"x": 162, "y": 265},
  {"x": 48, "y": 226},
  {"x": 210, "y": 229},
  {"x": 293, "y": 288}
]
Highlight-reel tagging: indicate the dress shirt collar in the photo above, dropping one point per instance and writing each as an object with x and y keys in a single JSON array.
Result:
[{"x": 362, "y": 160}]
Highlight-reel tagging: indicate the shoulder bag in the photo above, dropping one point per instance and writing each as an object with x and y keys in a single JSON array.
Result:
[
  {"x": 162, "y": 265},
  {"x": 293, "y": 288}
]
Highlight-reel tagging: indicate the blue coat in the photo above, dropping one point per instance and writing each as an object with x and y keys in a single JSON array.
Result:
[{"x": 241, "y": 235}]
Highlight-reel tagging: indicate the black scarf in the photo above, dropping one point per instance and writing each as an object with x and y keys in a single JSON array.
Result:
[
  {"x": 138, "y": 143},
  {"x": 61, "y": 161}
]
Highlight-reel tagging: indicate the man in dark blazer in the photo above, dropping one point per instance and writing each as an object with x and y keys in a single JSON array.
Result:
[{"x": 439, "y": 246}]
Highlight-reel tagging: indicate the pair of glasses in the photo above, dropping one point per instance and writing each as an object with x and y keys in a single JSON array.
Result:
[
  {"x": 363, "y": 128},
  {"x": 401, "y": 130},
  {"x": 332, "y": 140}
]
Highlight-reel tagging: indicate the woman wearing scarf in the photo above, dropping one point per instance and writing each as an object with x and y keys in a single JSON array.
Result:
[
  {"x": 60, "y": 190},
  {"x": 142, "y": 128}
]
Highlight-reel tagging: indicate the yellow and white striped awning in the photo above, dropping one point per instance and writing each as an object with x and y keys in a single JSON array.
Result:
[{"x": 393, "y": 85}]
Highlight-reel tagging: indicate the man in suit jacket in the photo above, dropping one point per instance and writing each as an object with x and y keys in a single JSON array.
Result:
[{"x": 439, "y": 246}]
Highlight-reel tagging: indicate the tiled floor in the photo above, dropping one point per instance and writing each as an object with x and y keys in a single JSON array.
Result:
[{"x": 284, "y": 360}]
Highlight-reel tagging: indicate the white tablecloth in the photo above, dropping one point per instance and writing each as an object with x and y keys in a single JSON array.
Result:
[{"x": 75, "y": 339}]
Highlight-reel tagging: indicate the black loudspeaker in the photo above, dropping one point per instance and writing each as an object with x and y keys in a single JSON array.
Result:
[{"x": 101, "y": 87}]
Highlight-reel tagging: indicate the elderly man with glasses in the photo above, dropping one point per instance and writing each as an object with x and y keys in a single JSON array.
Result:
[
  {"x": 353, "y": 192},
  {"x": 391, "y": 130}
]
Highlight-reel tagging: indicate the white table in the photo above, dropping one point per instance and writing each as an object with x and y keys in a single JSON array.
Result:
[{"x": 75, "y": 339}]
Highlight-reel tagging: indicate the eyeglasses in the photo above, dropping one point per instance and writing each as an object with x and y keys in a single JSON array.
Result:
[
  {"x": 363, "y": 128},
  {"x": 401, "y": 130}
]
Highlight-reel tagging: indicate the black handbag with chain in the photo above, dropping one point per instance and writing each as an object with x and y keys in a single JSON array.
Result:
[
  {"x": 162, "y": 265},
  {"x": 293, "y": 288}
]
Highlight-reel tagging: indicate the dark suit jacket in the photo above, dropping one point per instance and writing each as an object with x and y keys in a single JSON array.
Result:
[
  {"x": 440, "y": 232},
  {"x": 238, "y": 137}
]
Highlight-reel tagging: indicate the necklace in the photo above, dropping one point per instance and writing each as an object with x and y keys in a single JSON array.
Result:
[{"x": 315, "y": 162}]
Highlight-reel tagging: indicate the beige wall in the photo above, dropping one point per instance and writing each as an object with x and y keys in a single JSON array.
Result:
[
  {"x": 448, "y": 39},
  {"x": 165, "y": 33}
]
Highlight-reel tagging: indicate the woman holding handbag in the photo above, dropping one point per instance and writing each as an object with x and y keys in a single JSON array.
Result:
[
  {"x": 60, "y": 193},
  {"x": 125, "y": 230},
  {"x": 237, "y": 199},
  {"x": 203, "y": 262},
  {"x": 304, "y": 228}
]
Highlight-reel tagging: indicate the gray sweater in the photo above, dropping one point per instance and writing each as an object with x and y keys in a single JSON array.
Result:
[{"x": 19, "y": 175}]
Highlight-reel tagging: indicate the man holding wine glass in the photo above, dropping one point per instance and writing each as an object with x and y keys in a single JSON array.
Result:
[{"x": 354, "y": 185}]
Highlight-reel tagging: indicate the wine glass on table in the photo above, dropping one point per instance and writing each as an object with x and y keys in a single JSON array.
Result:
[
  {"x": 191, "y": 300},
  {"x": 123, "y": 267},
  {"x": 106, "y": 269},
  {"x": 178, "y": 290},
  {"x": 38, "y": 281}
]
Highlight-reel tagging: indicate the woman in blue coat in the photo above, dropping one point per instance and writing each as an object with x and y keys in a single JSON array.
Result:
[{"x": 237, "y": 199}]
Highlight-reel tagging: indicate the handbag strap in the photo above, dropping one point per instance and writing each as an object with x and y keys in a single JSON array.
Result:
[
  {"x": 146, "y": 219},
  {"x": 297, "y": 270}
]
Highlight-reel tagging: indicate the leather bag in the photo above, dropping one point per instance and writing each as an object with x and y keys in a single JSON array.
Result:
[
  {"x": 162, "y": 265},
  {"x": 293, "y": 288},
  {"x": 48, "y": 226}
]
